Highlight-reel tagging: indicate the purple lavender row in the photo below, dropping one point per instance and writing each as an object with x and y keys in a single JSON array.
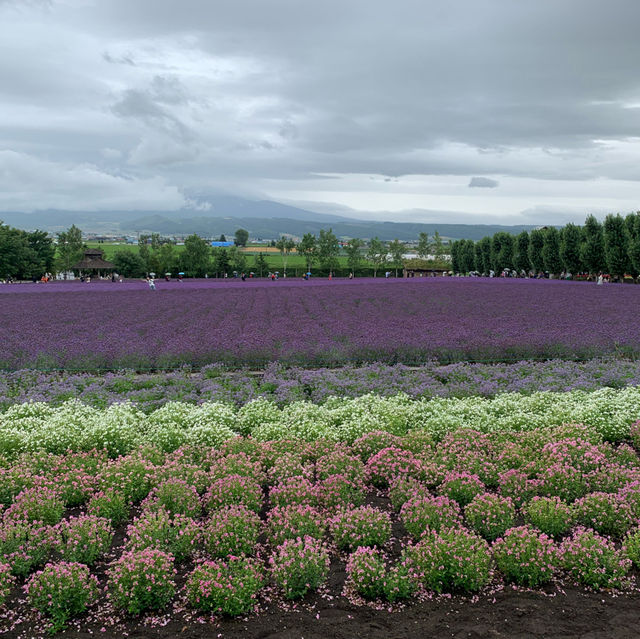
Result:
[{"x": 320, "y": 323}]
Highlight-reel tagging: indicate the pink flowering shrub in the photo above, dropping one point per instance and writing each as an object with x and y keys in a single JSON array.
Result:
[
  {"x": 451, "y": 560},
  {"x": 176, "y": 496},
  {"x": 426, "y": 514},
  {"x": 461, "y": 487},
  {"x": 362, "y": 526},
  {"x": 342, "y": 463},
  {"x": 630, "y": 495},
  {"x": 289, "y": 465},
  {"x": 564, "y": 481},
  {"x": 14, "y": 480},
  {"x": 299, "y": 565},
  {"x": 525, "y": 556},
  {"x": 177, "y": 535},
  {"x": 403, "y": 488},
  {"x": 232, "y": 530},
  {"x": 516, "y": 484},
  {"x": 607, "y": 514},
  {"x": 130, "y": 475},
  {"x": 367, "y": 572},
  {"x": 61, "y": 591},
  {"x": 271, "y": 451},
  {"x": 550, "y": 515},
  {"x": 631, "y": 546},
  {"x": 142, "y": 580},
  {"x": 85, "y": 539},
  {"x": 74, "y": 485},
  {"x": 297, "y": 520},
  {"x": 225, "y": 587},
  {"x": 26, "y": 546},
  {"x": 41, "y": 504},
  {"x": 109, "y": 504},
  {"x": 634, "y": 433},
  {"x": 238, "y": 464},
  {"x": 611, "y": 478},
  {"x": 388, "y": 463},
  {"x": 490, "y": 515},
  {"x": 337, "y": 491},
  {"x": 6, "y": 582},
  {"x": 295, "y": 490},
  {"x": 575, "y": 452},
  {"x": 417, "y": 441},
  {"x": 234, "y": 489},
  {"x": 593, "y": 560},
  {"x": 373, "y": 442}
]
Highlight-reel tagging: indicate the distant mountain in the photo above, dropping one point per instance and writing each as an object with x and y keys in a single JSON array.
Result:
[
  {"x": 221, "y": 214},
  {"x": 272, "y": 228}
]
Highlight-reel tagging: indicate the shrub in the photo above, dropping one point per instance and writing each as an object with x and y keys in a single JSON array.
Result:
[
  {"x": 111, "y": 505},
  {"x": 362, "y": 526},
  {"x": 607, "y": 514},
  {"x": 6, "y": 581},
  {"x": 295, "y": 490},
  {"x": 41, "y": 504},
  {"x": 515, "y": 484},
  {"x": 142, "y": 580},
  {"x": 237, "y": 464},
  {"x": 234, "y": 489},
  {"x": 61, "y": 591},
  {"x": 299, "y": 565},
  {"x": 130, "y": 475},
  {"x": 550, "y": 515},
  {"x": 178, "y": 536},
  {"x": 634, "y": 433},
  {"x": 85, "y": 539},
  {"x": 341, "y": 463},
  {"x": 373, "y": 442},
  {"x": 426, "y": 514},
  {"x": 225, "y": 587},
  {"x": 562, "y": 480},
  {"x": 289, "y": 465},
  {"x": 366, "y": 570},
  {"x": 337, "y": 491},
  {"x": 290, "y": 522},
  {"x": 451, "y": 560},
  {"x": 490, "y": 515},
  {"x": 525, "y": 556},
  {"x": 593, "y": 560},
  {"x": 387, "y": 464},
  {"x": 461, "y": 486},
  {"x": 231, "y": 530},
  {"x": 631, "y": 546},
  {"x": 26, "y": 546},
  {"x": 403, "y": 488},
  {"x": 176, "y": 496}
]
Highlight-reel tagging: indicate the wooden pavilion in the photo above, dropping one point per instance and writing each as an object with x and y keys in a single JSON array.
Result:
[{"x": 93, "y": 262}]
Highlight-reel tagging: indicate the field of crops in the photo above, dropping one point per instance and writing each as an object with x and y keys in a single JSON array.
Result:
[
  {"x": 371, "y": 498},
  {"x": 314, "y": 323}
]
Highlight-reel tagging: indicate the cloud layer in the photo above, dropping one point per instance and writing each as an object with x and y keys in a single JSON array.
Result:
[{"x": 155, "y": 104}]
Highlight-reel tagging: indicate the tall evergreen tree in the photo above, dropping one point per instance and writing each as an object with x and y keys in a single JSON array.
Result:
[
  {"x": 423, "y": 245},
  {"x": 551, "y": 251},
  {"x": 456, "y": 263},
  {"x": 634, "y": 243},
  {"x": 616, "y": 245},
  {"x": 592, "y": 247},
  {"x": 483, "y": 255},
  {"x": 502, "y": 247},
  {"x": 570, "y": 248},
  {"x": 536, "y": 244},
  {"x": 521, "y": 257}
]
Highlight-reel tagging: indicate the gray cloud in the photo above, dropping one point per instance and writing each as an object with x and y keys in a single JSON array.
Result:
[
  {"x": 239, "y": 95},
  {"x": 483, "y": 183}
]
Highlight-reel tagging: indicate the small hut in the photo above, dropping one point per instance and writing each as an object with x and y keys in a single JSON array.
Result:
[
  {"x": 423, "y": 268},
  {"x": 93, "y": 262}
]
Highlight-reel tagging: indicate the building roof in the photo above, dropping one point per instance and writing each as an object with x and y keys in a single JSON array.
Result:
[{"x": 92, "y": 260}]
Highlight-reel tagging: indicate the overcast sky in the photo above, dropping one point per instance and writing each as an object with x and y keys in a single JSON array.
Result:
[{"x": 455, "y": 111}]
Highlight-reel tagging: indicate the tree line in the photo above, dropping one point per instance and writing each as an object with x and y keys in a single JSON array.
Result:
[
  {"x": 611, "y": 247},
  {"x": 25, "y": 254}
]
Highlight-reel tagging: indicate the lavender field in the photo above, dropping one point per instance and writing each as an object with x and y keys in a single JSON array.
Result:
[{"x": 312, "y": 323}]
